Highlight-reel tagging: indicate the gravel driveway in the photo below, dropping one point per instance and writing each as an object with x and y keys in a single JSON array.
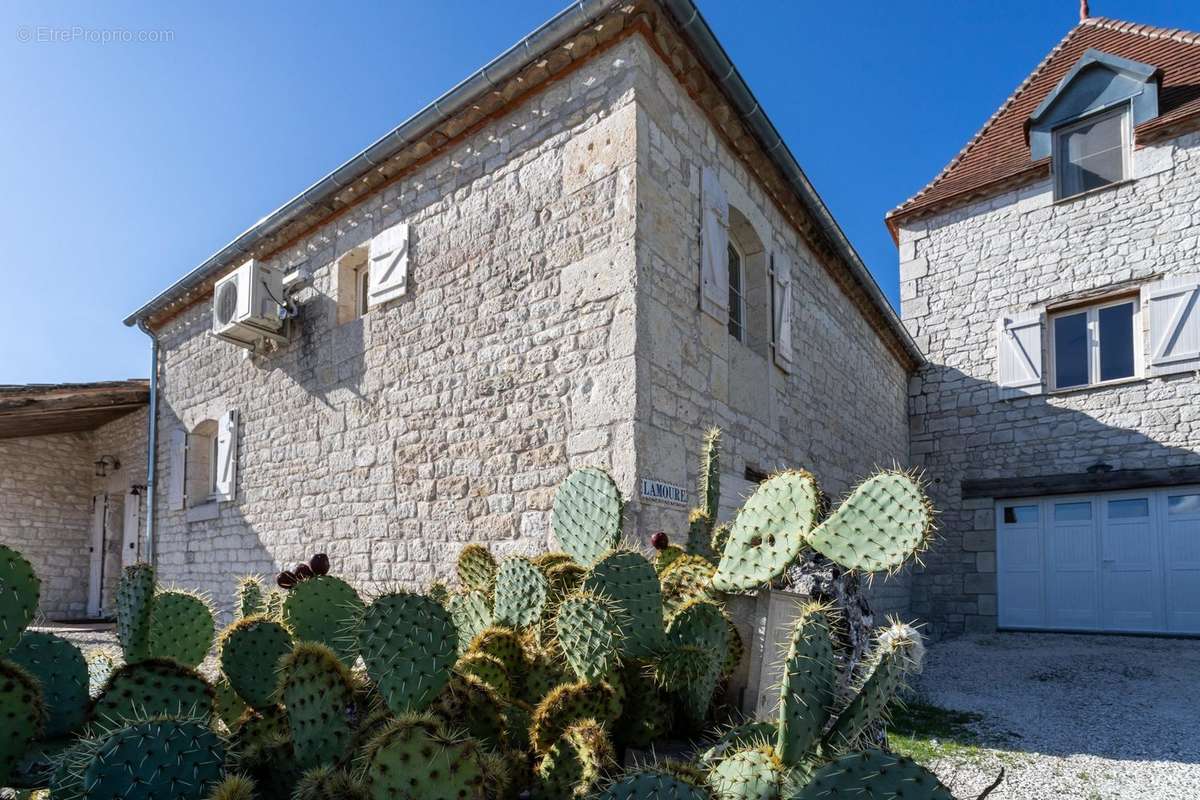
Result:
[{"x": 1071, "y": 716}]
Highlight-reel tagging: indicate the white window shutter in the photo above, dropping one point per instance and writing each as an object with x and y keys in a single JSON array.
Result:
[
  {"x": 714, "y": 247},
  {"x": 227, "y": 439},
  {"x": 781, "y": 295},
  {"x": 177, "y": 466},
  {"x": 388, "y": 265},
  {"x": 1019, "y": 351},
  {"x": 1174, "y": 308}
]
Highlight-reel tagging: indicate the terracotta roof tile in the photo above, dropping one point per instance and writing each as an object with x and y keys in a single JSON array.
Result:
[{"x": 999, "y": 153}]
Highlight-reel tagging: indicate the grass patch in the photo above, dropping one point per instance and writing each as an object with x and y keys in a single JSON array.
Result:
[{"x": 924, "y": 733}]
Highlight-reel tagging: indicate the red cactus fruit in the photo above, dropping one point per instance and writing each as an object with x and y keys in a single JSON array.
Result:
[
  {"x": 303, "y": 571},
  {"x": 320, "y": 564},
  {"x": 659, "y": 540},
  {"x": 286, "y": 579}
]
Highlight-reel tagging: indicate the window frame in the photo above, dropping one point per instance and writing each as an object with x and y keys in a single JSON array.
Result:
[
  {"x": 362, "y": 291},
  {"x": 1092, "y": 310},
  {"x": 739, "y": 290},
  {"x": 1057, "y": 158}
]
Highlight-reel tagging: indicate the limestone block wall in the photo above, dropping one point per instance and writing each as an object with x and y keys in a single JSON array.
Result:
[
  {"x": 841, "y": 412},
  {"x": 449, "y": 415},
  {"x": 1019, "y": 251},
  {"x": 45, "y": 513}
]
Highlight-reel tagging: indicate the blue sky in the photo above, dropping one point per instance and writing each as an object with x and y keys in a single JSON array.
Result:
[{"x": 125, "y": 163}]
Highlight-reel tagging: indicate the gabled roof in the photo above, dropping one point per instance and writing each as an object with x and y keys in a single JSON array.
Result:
[
  {"x": 678, "y": 31},
  {"x": 38, "y": 409},
  {"x": 997, "y": 158}
]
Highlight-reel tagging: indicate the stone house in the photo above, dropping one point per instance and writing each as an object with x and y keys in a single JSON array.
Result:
[
  {"x": 72, "y": 478},
  {"x": 586, "y": 253},
  {"x": 1050, "y": 274}
]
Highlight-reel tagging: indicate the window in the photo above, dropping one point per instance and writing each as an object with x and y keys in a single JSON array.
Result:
[
  {"x": 1020, "y": 515},
  {"x": 202, "y": 463},
  {"x": 1092, "y": 152},
  {"x": 1095, "y": 345},
  {"x": 362, "y": 280},
  {"x": 736, "y": 293}
]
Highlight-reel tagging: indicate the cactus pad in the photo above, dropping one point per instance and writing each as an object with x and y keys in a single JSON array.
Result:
[
  {"x": 469, "y": 704},
  {"x": 234, "y": 787},
  {"x": 769, "y": 531},
  {"x": 251, "y": 599},
  {"x": 19, "y": 593},
  {"x": 589, "y": 633},
  {"x": 884, "y": 521},
  {"x": 568, "y": 704},
  {"x": 691, "y": 671},
  {"x": 154, "y": 687},
  {"x": 62, "y": 675},
  {"x": 472, "y": 612},
  {"x": 318, "y": 692},
  {"x": 629, "y": 580},
  {"x": 250, "y": 652},
  {"x": 408, "y": 643},
  {"x": 521, "y": 591},
  {"x": 327, "y": 783},
  {"x": 752, "y": 773},
  {"x": 809, "y": 685},
  {"x": 739, "y": 737},
  {"x": 587, "y": 515},
  {"x": 576, "y": 763},
  {"x": 873, "y": 775},
  {"x": 476, "y": 568},
  {"x": 882, "y": 677},
  {"x": 324, "y": 609},
  {"x": 415, "y": 757},
  {"x": 135, "y": 598},
  {"x": 229, "y": 707},
  {"x": 686, "y": 579},
  {"x": 181, "y": 627},
  {"x": 652, "y": 785},
  {"x": 23, "y": 713},
  {"x": 488, "y": 669},
  {"x": 156, "y": 760}
]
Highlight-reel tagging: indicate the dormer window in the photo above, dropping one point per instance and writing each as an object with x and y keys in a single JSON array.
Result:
[{"x": 1092, "y": 152}]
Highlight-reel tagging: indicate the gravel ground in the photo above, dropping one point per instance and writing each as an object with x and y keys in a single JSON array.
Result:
[{"x": 1071, "y": 716}]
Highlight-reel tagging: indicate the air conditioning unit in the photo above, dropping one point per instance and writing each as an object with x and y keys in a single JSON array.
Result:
[{"x": 246, "y": 305}]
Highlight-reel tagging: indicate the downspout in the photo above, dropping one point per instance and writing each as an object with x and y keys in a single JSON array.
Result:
[{"x": 152, "y": 442}]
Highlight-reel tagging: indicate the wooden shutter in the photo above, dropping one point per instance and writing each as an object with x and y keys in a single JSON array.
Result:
[
  {"x": 227, "y": 439},
  {"x": 1174, "y": 308},
  {"x": 781, "y": 313},
  {"x": 131, "y": 528},
  {"x": 177, "y": 469},
  {"x": 388, "y": 265},
  {"x": 1019, "y": 351},
  {"x": 714, "y": 247}
]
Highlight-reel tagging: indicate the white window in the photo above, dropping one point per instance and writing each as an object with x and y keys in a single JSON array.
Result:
[
  {"x": 202, "y": 460},
  {"x": 1092, "y": 152},
  {"x": 362, "y": 282},
  {"x": 737, "y": 294},
  {"x": 1095, "y": 345}
]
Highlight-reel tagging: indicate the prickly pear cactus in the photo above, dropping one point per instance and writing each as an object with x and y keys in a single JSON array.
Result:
[
  {"x": 629, "y": 581},
  {"x": 574, "y": 766},
  {"x": 476, "y": 568},
  {"x": 449, "y": 767},
  {"x": 152, "y": 687},
  {"x": 488, "y": 669},
  {"x": 135, "y": 598},
  {"x": 324, "y": 609},
  {"x": 568, "y": 704},
  {"x": 873, "y": 775},
  {"x": 586, "y": 517},
  {"x": 884, "y": 521},
  {"x": 809, "y": 685},
  {"x": 652, "y": 785},
  {"x": 181, "y": 627},
  {"x": 468, "y": 704},
  {"x": 20, "y": 590},
  {"x": 704, "y": 626},
  {"x": 155, "y": 760},
  {"x": 409, "y": 644},
  {"x": 691, "y": 671},
  {"x": 472, "y": 613},
  {"x": 318, "y": 692},
  {"x": 703, "y": 518},
  {"x": 251, "y": 599},
  {"x": 589, "y": 628},
  {"x": 62, "y": 674},
  {"x": 234, "y": 787},
  {"x": 769, "y": 531},
  {"x": 897, "y": 652},
  {"x": 227, "y": 705},
  {"x": 752, "y": 773},
  {"x": 327, "y": 783},
  {"x": 23, "y": 715},
  {"x": 521, "y": 591},
  {"x": 251, "y": 649},
  {"x": 686, "y": 579},
  {"x": 503, "y": 644}
]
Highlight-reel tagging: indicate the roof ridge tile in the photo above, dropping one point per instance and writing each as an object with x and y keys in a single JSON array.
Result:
[{"x": 1143, "y": 29}]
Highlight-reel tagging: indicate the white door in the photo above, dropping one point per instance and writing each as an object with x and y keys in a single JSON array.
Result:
[
  {"x": 96, "y": 571},
  {"x": 130, "y": 532},
  {"x": 1113, "y": 561}
]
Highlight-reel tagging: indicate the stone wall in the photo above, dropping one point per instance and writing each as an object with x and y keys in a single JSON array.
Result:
[
  {"x": 963, "y": 270},
  {"x": 47, "y": 485},
  {"x": 841, "y": 412},
  {"x": 125, "y": 439},
  {"x": 449, "y": 415},
  {"x": 45, "y": 513}
]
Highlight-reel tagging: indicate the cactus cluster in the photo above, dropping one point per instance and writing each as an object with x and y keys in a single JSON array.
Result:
[{"x": 533, "y": 676}]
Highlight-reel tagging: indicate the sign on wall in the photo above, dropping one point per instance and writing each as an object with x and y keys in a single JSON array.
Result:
[{"x": 660, "y": 492}]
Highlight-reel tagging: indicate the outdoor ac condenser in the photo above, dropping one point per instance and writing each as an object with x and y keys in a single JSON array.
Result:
[{"x": 246, "y": 305}]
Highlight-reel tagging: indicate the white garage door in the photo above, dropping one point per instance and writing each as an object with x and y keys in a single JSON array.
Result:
[{"x": 1115, "y": 561}]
